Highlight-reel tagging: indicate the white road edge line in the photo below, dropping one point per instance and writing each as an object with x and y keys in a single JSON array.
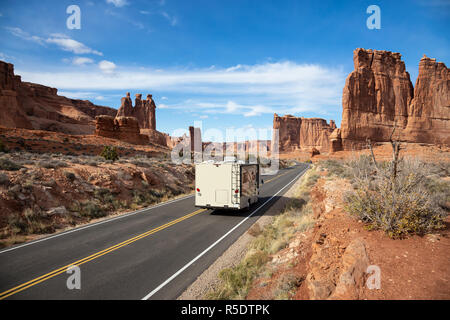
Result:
[
  {"x": 94, "y": 224},
  {"x": 215, "y": 243}
]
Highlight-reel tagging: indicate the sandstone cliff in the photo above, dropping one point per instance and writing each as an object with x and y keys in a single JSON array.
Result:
[
  {"x": 379, "y": 94},
  {"x": 429, "y": 111},
  {"x": 303, "y": 133},
  {"x": 33, "y": 106}
]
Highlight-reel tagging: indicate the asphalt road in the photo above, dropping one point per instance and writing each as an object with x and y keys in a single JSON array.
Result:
[{"x": 154, "y": 253}]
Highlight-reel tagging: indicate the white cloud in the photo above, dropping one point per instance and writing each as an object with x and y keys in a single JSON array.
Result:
[
  {"x": 24, "y": 35},
  {"x": 172, "y": 19},
  {"x": 67, "y": 44},
  {"x": 61, "y": 40},
  {"x": 247, "y": 90},
  {"x": 117, "y": 3},
  {"x": 81, "y": 61},
  {"x": 107, "y": 66},
  {"x": 5, "y": 57},
  {"x": 144, "y": 12}
]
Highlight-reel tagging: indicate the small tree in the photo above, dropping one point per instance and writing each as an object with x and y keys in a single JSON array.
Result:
[{"x": 110, "y": 153}]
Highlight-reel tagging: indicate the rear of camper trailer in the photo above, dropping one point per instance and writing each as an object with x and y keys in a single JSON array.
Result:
[{"x": 226, "y": 185}]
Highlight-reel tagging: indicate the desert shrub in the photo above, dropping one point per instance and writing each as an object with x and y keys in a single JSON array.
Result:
[
  {"x": 69, "y": 175},
  {"x": 255, "y": 230},
  {"x": 399, "y": 204},
  {"x": 110, "y": 153},
  {"x": 3, "y": 147},
  {"x": 146, "y": 196},
  {"x": 287, "y": 284},
  {"x": 4, "y": 179},
  {"x": 91, "y": 209},
  {"x": 105, "y": 196},
  {"x": 334, "y": 167},
  {"x": 8, "y": 165},
  {"x": 29, "y": 222},
  {"x": 52, "y": 164}
]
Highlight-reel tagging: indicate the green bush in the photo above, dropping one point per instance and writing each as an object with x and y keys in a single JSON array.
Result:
[{"x": 110, "y": 153}]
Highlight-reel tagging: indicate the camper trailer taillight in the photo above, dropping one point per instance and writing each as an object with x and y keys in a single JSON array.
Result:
[
  {"x": 198, "y": 190},
  {"x": 236, "y": 191}
]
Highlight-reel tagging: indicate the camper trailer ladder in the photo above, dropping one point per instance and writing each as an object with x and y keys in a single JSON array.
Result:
[{"x": 235, "y": 183}]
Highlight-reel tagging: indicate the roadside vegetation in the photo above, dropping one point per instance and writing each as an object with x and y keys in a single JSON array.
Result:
[
  {"x": 401, "y": 197},
  {"x": 295, "y": 217}
]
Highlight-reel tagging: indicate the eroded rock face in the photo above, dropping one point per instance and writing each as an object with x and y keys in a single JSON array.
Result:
[
  {"x": 11, "y": 115},
  {"x": 303, "y": 133},
  {"x": 429, "y": 111},
  {"x": 33, "y": 106},
  {"x": 143, "y": 110},
  {"x": 378, "y": 94},
  {"x": 121, "y": 128}
]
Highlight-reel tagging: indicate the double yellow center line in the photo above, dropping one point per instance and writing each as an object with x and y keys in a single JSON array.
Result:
[{"x": 96, "y": 255}]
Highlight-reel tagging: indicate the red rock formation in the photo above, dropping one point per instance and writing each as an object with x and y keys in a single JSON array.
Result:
[
  {"x": 378, "y": 94},
  {"x": 11, "y": 114},
  {"x": 303, "y": 133},
  {"x": 288, "y": 131},
  {"x": 336, "y": 140},
  {"x": 429, "y": 111},
  {"x": 143, "y": 111},
  {"x": 34, "y": 106},
  {"x": 121, "y": 128}
]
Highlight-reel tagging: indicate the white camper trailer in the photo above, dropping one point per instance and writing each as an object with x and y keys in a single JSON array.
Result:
[{"x": 226, "y": 185}]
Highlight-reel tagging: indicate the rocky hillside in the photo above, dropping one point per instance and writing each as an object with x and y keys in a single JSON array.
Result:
[
  {"x": 41, "y": 193},
  {"x": 33, "y": 106}
]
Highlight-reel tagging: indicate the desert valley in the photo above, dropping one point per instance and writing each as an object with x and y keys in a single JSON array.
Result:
[{"x": 377, "y": 191}]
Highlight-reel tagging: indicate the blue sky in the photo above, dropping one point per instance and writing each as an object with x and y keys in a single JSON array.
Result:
[{"x": 225, "y": 63}]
